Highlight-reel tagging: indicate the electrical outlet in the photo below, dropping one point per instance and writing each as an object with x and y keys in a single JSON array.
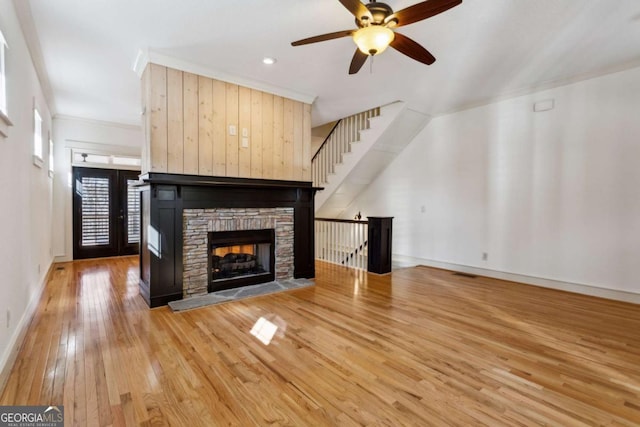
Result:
[
  {"x": 245, "y": 142},
  {"x": 485, "y": 256},
  {"x": 423, "y": 208}
]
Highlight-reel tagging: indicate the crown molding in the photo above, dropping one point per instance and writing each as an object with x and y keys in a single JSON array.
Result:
[
  {"x": 97, "y": 122},
  {"x": 146, "y": 56}
]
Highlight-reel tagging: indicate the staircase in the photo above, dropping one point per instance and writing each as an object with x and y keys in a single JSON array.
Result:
[{"x": 357, "y": 150}]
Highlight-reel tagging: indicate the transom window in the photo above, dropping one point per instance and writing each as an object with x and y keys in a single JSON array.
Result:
[{"x": 82, "y": 158}]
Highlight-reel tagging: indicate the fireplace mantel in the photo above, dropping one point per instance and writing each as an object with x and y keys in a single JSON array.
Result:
[
  {"x": 164, "y": 198},
  {"x": 213, "y": 181}
]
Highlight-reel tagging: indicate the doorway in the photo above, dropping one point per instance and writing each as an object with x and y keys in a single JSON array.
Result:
[{"x": 106, "y": 213}]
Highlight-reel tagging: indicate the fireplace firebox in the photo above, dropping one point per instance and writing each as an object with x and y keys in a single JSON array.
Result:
[{"x": 240, "y": 258}]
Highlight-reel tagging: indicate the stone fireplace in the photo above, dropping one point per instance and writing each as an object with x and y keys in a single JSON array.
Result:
[
  {"x": 211, "y": 145},
  {"x": 183, "y": 214},
  {"x": 240, "y": 237}
]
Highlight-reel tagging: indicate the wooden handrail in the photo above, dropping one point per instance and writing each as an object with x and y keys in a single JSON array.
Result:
[
  {"x": 326, "y": 139},
  {"x": 348, "y": 221}
]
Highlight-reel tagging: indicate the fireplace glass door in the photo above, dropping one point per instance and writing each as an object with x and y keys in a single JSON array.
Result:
[{"x": 240, "y": 258}]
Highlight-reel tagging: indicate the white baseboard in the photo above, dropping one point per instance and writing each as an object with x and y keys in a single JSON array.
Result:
[
  {"x": 8, "y": 357},
  {"x": 613, "y": 294},
  {"x": 62, "y": 258}
]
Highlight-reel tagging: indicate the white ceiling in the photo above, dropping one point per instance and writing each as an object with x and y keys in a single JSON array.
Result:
[{"x": 484, "y": 50}]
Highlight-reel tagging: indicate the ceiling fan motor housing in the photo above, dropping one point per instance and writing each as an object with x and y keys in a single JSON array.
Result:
[{"x": 378, "y": 10}]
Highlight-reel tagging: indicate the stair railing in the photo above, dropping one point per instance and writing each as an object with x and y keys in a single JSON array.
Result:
[
  {"x": 337, "y": 143},
  {"x": 342, "y": 241}
]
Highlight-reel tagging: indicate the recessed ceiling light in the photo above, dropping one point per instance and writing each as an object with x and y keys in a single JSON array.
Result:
[{"x": 269, "y": 61}]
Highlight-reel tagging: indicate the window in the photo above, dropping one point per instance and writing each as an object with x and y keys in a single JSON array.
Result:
[
  {"x": 125, "y": 161},
  {"x": 83, "y": 158},
  {"x": 4, "y": 119},
  {"x": 80, "y": 157},
  {"x": 37, "y": 138},
  {"x": 50, "y": 157},
  {"x": 3, "y": 79}
]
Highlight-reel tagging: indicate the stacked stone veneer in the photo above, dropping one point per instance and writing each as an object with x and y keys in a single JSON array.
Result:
[{"x": 197, "y": 223}]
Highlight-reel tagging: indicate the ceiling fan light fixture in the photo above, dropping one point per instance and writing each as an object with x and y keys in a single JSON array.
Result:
[{"x": 373, "y": 39}]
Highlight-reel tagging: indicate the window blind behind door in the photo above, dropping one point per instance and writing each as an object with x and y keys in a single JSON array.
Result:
[
  {"x": 133, "y": 213},
  {"x": 95, "y": 211}
]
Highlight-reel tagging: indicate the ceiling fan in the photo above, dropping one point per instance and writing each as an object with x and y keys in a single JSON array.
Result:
[{"x": 376, "y": 21}]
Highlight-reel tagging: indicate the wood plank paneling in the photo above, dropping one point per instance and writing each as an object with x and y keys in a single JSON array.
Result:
[
  {"x": 298, "y": 141},
  {"x": 278, "y": 137},
  {"x": 190, "y": 120},
  {"x": 419, "y": 346},
  {"x": 244, "y": 131},
  {"x": 187, "y": 128},
  {"x": 287, "y": 149},
  {"x": 256, "y": 134},
  {"x": 267, "y": 135},
  {"x": 205, "y": 126},
  {"x": 219, "y": 128},
  {"x": 232, "y": 120},
  {"x": 158, "y": 99},
  {"x": 175, "y": 116},
  {"x": 306, "y": 143},
  {"x": 145, "y": 99}
]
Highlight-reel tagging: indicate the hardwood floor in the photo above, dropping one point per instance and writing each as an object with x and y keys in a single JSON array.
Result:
[{"x": 418, "y": 347}]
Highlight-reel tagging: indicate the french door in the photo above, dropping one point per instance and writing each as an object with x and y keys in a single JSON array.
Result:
[{"x": 106, "y": 213}]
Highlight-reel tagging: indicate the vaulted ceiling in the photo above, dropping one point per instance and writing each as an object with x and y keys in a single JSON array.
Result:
[{"x": 484, "y": 49}]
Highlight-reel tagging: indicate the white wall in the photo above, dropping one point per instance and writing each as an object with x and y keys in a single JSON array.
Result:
[
  {"x": 553, "y": 194},
  {"x": 94, "y": 136},
  {"x": 25, "y": 192}
]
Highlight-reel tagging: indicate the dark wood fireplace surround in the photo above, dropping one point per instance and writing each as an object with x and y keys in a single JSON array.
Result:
[{"x": 165, "y": 196}]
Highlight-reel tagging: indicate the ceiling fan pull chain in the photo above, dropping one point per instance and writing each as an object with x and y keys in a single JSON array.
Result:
[{"x": 371, "y": 65}]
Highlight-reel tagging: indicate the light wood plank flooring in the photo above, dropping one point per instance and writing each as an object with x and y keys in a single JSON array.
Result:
[{"x": 418, "y": 347}]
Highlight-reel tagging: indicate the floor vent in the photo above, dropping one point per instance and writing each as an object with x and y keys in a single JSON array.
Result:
[
  {"x": 59, "y": 268},
  {"x": 470, "y": 276}
]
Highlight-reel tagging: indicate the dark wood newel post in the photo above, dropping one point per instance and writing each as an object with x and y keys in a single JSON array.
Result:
[{"x": 379, "y": 244}]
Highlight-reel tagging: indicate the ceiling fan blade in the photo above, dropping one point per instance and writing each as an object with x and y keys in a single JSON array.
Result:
[
  {"x": 357, "y": 9},
  {"x": 421, "y": 11},
  {"x": 357, "y": 62},
  {"x": 323, "y": 37},
  {"x": 413, "y": 50}
]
